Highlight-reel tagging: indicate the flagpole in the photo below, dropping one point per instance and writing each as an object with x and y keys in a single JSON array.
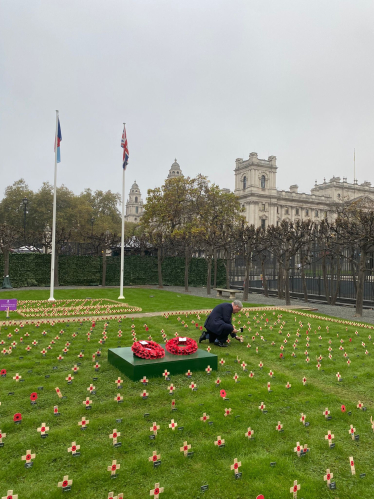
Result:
[
  {"x": 121, "y": 297},
  {"x": 51, "y": 298}
]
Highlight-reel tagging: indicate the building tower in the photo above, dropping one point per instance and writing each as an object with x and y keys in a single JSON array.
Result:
[
  {"x": 175, "y": 170},
  {"x": 134, "y": 206}
]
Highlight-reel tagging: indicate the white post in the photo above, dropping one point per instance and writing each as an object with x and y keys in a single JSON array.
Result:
[
  {"x": 121, "y": 297},
  {"x": 51, "y": 298}
]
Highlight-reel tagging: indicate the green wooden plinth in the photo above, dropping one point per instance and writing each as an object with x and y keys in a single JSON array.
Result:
[{"x": 135, "y": 368}]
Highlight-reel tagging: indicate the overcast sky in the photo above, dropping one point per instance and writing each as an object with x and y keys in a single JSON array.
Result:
[{"x": 202, "y": 81}]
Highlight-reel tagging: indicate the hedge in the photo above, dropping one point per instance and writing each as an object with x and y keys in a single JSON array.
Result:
[{"x": 34, "y": 269}]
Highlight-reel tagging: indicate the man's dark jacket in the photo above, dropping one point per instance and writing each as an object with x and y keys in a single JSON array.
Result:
[{"x": 219, "y": 320}]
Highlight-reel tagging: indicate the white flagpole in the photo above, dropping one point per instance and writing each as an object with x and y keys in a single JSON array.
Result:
[
  {"x": 121, "y": 297},
  {"x": 51, "y": 298}
]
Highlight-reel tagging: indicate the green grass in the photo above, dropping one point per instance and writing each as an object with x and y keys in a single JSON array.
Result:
[{"x": 180, "y": 476}]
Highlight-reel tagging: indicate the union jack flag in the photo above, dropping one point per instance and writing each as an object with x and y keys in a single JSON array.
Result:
[{"x": 125, "y": 146}]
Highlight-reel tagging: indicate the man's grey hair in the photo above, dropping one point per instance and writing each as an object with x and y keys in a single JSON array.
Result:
[{"x": 238, "y": 303}]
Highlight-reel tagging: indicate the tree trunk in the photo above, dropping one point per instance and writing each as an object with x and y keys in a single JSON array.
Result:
[
  {"x": 287, "y": 281},
  {"x": 361, "y": 283},
  {"x": 337, "y": 287},
  {"x": 325, "y": 280},
  {"x": 56, "y": 268},
  {"x": 303, "y": 281},
  {"x": 246, "y": 278},
  {"x": 215, "y": 268},
  {"x": 354, "y": 269},
  {"x": 103, "y": 281},
  {"x": 186, "y": 265},
  {"x": 159, "y": 267},
  {"x": 228, "y": 268},
  {"x": 280, "y": 281},
  {"x": 264, "y": 281},
  {"x": 209, "y": 276},
  {"x": 6, "y": 260}
]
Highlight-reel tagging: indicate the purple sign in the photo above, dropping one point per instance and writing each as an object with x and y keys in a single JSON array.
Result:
[{"x": 11, "y": 304}]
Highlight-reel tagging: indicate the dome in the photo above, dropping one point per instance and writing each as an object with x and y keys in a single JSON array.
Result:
[
  {"x": 135, "y": 185},
  {"x": 175, "y": 170},
  {"x": 175, "y": 165}
]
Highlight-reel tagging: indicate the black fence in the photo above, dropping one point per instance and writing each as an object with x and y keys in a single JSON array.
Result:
[{"x": 345, "y": 288}]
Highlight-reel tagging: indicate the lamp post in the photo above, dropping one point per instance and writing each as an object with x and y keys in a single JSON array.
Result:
[{"x": 25, "y": 201}]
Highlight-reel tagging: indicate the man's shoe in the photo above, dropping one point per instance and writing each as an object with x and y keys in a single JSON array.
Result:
[
  {"x": 202, "y": 337},
  {"x": 220, "y": 344}
]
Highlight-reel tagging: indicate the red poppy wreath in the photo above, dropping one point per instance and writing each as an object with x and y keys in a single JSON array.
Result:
[
  {"x": 181, "y": 346},
  {"x": 148, "y": 350}
]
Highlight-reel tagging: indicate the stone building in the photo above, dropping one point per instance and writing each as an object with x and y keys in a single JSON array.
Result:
[
  {"x": 264, "y": 204},
  {"x": 134, "y": 206},
  {"x": 175, "y": 170}
]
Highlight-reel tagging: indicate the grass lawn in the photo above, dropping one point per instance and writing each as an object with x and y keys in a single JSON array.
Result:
[
  {"x": 182, "y": 477},
  {"x": 149, "y": 300}
]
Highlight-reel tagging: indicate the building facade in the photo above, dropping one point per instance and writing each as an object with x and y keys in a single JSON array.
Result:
[
  {"x": 264, "y": 204},
  {"x": 175, "y": 170},
  {"x": 134, "y": 206}
]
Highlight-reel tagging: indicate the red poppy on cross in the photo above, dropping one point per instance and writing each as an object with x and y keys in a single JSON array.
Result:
[
  {"x": 329, "y": 437},
  {"x": 10, "y": 495},
  {"x": 173, "y": 424},
  {"x": 28, "y": 457},
  {"x": 204, "y": 417},
  {"x": 74, "y": 448},
  {"x": 155, "y": 457},
  {"x": 185, "y": 448},
  {"x": 295, "y": 487},
  {"x": 156, "y": 491},
  {"x": 65, "y": 482},
  {"x": 155, "y": 427},
  {"x": 83, "y": 422},
  {"x": 328, "y": 477},
  {"x": 113, "y": 467},
  {"x": 43, "y": 429},
  {"x": 352, "y": 463},
  {"x": 114, "y": 435},
  {"x": 351, "y": 431},
  {"x": 220, "y": 441},
  {"x": 235, "y": 466}
]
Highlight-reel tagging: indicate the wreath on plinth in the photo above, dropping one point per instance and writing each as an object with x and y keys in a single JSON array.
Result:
[
  {"x": 148, "y": 350},
  {"x": 181, "y": 346}
]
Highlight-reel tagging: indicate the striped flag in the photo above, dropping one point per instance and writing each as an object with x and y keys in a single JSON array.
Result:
[
  {"x": 59, "y": 138},
  {"x": 125, "y": 147}
]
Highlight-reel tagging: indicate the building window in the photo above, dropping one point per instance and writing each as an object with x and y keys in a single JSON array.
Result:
[
  {"x": 325, "y": 214},
  {"x": 286, "y": 211},
  {"x": 263, "y": 224},
  {"x": 136, "y": 219},
  {"x": 307, "y": 212},
  {"x": 244, "y": 183},
  {"x": 136, "y": 199},
  {"x": 316, "y": 213},
  {"x": 262, "y": 181},
  {"x": 262, "y": 206},
  {"x": 278, "y": 210},
  {"x": 136, "y": 209},
  {"x": 338, "y": 196},
  {"x": 297, "y": 211},
  {"x": 277, "y": 224}
]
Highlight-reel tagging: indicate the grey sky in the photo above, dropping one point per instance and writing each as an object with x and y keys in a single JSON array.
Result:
[{"x": 200, "y": 80}]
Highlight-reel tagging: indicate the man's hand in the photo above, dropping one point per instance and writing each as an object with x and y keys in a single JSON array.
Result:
[{"x": 237, "y": 338}]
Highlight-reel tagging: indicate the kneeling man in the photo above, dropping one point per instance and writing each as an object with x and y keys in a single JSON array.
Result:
[{"x": 218, "y": 323}]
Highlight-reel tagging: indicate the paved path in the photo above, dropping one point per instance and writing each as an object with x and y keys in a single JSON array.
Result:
[{"x": 343, "y": 312}]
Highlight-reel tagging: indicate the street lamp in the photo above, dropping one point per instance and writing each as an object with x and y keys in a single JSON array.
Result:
[
  {"x": 25, "y": 201},
  {"x": 92, "y": 224}
]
